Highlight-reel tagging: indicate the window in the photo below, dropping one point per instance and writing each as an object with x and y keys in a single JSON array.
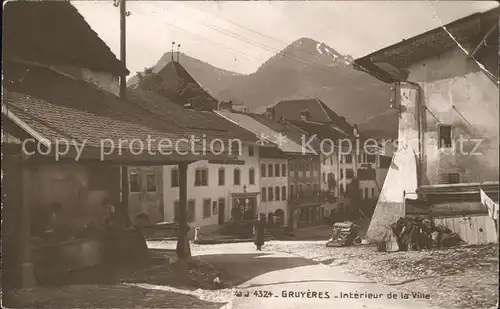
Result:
[
  {"x": 135, "y": 183},
  {"x": 222, "y": 176},
  {"x": 214, "y": 207},
  {"x": 270, "y": 170},
  {"x": 366, "y": 193},
  {"x": 277, "y": 170},
  {"x": 235, "y": 148},
  {"x": 277, "y": 193},
  {"x": 283, "y": 193},
  {"x": 371, "y": 158},
  {"x": 360, "y": 158},
  {"x": 373, "y": 192},
  {"x": 454, "y": 178},
  {"x": 237, "y": 177},
  {"x": 348, "y": 158},
  {"x": 174, "y": 178},
  {"x": 283, "y": 170},
  {"x": 207, "y": 208},
  {"x": 201, "y": 177},
  {"x": 315, "y": 187},
  {"x": 251, "y": 176},
  {"x": 444, "y": 135},
  {"x": 250, "y": 151},
  {"x": 270, "y": 194},
  {"x": 308, "y": 187},
  {"x": 349, "y": 173},
  {"x": 331, "y": 160},
  {"x": 341, "y": 173},
  {"x": 191, "y": 206},
  {"x": 307, "y": 167},
  {"x": 342, "y": 189},
  {"x": 449, "y": 178},
  {"x": 291, "y": 191},
  {"x": 301, "y": 188},
  {"x": 324, "y": 177},
  {"x": 151, "y": 184},
  {"x": 263, "y": 194},
  {"x": 262, "y": 170}
]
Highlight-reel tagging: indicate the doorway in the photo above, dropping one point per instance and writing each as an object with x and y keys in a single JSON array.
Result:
[
  {"x": 145, "y": 195},
  {"x": 222, "y": 211}
]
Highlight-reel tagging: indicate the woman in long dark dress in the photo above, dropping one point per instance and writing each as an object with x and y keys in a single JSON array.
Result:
[{"x": 259, "y": 232}]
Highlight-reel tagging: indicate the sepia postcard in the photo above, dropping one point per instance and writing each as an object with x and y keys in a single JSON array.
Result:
[{"x": 250, "y": 154}]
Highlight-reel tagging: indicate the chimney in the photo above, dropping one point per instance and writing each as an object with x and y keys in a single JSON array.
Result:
[
  {"x": 282, "y": 120},
  {"x": 178, "y": 47},
  {"x": 355, "y": 130},
  {"x": 172, "y": 53},
  {"x": 305, "y": 116},
  {"x": 270, "y": 113},
  {"x": 226, "y": 106}
]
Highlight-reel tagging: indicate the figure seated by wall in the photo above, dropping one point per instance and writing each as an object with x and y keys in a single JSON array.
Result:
[{"x": 53, "y": 224}]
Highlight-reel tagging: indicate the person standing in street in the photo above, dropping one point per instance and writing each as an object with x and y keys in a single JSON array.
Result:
[{"x": 259, "y": 228}]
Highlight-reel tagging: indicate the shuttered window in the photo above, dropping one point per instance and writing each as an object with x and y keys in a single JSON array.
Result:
[
  {"x": 449, "y": 178},
  {"x": 444, "y": 135}
]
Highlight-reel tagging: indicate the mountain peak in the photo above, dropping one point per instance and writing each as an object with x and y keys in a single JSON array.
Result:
[
  {"x": 304, "y": 40},
  {"x": 305, "y": 53}
]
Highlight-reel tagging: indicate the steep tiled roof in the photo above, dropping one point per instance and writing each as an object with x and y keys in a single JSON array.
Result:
[
  {"x": 259, "y": 129},
  {"x": 54, "y": 32},
  {"x": 321, "y": 129},
  {"x": 57, "y": 107},
  {"x": 175, "y": 83},
  {"x": 318, "y": 111},
  {"x": 291, "y": 109},
  {"x": 323, "y": 132},
  {"x": 468, "y": 30},
  {"x": 55, "y": 122},
  {"x": 291, "y": 132},
  {"x": 206, "y": 122}
]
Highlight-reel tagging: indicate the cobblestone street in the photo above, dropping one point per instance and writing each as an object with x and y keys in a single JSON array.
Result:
[
  {"x": 103, "y": 296},
  {"x": 298, "y": 267},
  {"x": 463, "y": 277}
]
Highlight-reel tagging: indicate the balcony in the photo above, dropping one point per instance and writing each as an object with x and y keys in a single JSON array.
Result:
[{"x": 312, "y": 197}]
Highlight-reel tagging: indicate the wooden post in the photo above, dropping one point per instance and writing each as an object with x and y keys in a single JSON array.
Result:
[
  {"x": 183, "y": 250},
  {"x": 125, "y": 186},
  {"x": 123, "y": 48}
]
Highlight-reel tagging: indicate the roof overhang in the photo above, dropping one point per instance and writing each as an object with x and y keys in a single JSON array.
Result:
[
  {"x": 50, "y": 151},
  {"x": 390, "y": 64}
]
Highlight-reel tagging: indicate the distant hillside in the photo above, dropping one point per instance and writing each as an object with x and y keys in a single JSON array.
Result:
[
  {"x": 212, "y": 79},
  {"x": 304, "y": 69},
  {"x": 310, "y": 69}
]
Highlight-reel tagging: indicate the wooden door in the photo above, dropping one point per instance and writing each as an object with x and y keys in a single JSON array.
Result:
[
  {"x": 222, "y": 211},
  {"x": 145, "y": 197}
]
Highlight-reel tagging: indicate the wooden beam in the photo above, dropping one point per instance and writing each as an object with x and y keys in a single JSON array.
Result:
[
  {"x": 123, "y": 48},
  {"x": 183, "y": 250},
  {"x": 124, "y": 186}
]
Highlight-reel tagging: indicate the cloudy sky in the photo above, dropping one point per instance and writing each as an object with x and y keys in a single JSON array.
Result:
[{"x": 241, "y": 35}]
